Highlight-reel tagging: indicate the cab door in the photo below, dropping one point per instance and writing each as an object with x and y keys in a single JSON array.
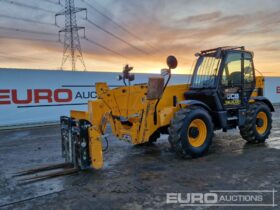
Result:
[
  {"x": 249, "y": 81},
  {"x": 231, "y": 81},
  {"x": 238, "y": 79}
]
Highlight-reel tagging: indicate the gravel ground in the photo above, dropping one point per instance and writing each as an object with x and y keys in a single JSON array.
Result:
[{"x": 136, "y": 177}]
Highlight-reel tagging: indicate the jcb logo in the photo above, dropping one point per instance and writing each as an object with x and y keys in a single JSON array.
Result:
[{"x": 233, "y": 96}]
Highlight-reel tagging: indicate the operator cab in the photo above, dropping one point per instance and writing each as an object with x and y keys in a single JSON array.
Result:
[{"x": 223, "y": 79}]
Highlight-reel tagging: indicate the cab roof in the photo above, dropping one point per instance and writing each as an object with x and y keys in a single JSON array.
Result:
[{"x": 225, "y": 48}]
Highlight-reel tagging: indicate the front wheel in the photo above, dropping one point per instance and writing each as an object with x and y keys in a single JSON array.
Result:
[
  {"x": 258, "y": 123},
  {"x": 191, "y": 132}
]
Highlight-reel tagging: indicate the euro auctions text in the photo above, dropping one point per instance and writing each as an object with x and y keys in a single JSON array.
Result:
[{"x": 250, "y": 198}]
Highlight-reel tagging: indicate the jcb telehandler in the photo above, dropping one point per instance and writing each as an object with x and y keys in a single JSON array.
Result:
[{"x": 223, "y": 93}]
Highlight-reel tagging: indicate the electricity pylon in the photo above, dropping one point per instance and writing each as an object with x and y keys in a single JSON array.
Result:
[{"x": 72, "y": 47}]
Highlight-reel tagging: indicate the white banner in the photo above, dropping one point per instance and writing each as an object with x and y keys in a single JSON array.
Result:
[
  {"x": 41, "y": 96},
  {"x": 272, "y": 89}
]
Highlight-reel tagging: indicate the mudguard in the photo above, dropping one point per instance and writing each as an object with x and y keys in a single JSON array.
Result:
[
  {"x": 264, "y": 100},
  {"x": 195, "y": 102}
]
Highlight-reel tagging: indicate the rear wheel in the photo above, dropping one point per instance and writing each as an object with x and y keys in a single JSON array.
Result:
[
  {"x": 191, "y": 132},
  {"x": 258, "y": 123}
]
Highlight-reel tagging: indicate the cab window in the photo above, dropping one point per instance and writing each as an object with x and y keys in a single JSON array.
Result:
[
  {"x": 232, "y": 70},
  {"x": 248, "y": 69}
]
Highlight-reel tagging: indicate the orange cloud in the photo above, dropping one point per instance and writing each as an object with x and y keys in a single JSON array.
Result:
[{"x": 163, "y": 28}]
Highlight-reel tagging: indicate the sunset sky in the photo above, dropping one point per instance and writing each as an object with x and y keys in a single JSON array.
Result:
[{"x": 158, "y": 28}]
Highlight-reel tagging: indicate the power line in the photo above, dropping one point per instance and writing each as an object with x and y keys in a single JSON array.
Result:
[
  {"x": 52, "y": 2},
  {"x": 29, "y": 39},
  {"x": 27, "y": 6},
  {"x": 113, "y": 21},
  {"x": 27, "y": 31},
  {"x": 103, "y": 47},
  {"x": 117, "y": 24},
  {"x": 57, "y": 41},
  {"x": 116, "y": 37},
  {"x": 26, "y": 20}
]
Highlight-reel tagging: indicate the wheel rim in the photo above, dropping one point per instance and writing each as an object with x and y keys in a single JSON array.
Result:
[
  {"x": 261, "y": 122},
  {"x": 197, "y": 133}
]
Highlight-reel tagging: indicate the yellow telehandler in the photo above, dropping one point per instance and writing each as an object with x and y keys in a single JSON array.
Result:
[{"x": 223, "y": 93}]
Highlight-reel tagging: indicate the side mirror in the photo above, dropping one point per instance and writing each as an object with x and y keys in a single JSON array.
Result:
[{"x": 172, "y": 62}]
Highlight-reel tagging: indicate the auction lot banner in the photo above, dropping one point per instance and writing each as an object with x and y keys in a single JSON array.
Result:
[
  {"x": 42, "y": 96},
  {"x": 272, "y": 89}
]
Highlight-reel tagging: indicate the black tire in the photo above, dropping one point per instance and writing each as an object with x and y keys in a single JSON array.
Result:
[
  {"x": 249, "y": 131},
  {"x": 179, "y": 130}
]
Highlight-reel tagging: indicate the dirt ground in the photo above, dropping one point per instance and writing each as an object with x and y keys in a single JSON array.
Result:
[{"x": 135, "y": 177}]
